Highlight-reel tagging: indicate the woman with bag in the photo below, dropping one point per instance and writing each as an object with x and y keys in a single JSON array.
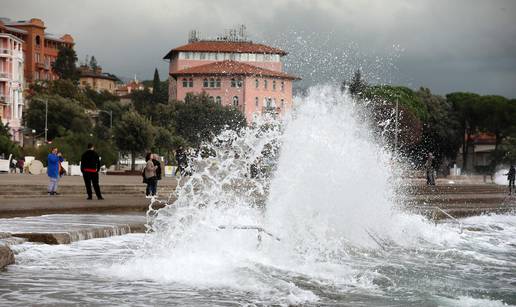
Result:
[{"x": 149, "y": 176}]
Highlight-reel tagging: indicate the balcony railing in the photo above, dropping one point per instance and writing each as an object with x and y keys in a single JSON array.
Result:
[
  {"x": 5, "y": 75},
  {"x": 5, "y": 52},
  {"x": 272, "y": 110},
  {"x": 4, "y": 100}
]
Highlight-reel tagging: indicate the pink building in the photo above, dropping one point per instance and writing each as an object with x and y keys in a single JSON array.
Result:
[
  {"x": 11, "y": 84},
  {"x": 242, "y": 74}
]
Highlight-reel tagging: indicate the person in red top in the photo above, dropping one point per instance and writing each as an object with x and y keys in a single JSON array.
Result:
[{"x": 90, "y": 166}]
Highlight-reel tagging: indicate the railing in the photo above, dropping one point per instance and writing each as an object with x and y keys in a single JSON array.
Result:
[
  {"x": 271, "y": 110},
  {"x": 451, "y": 217},
  {"x": 4, "y": 51},
  {"x": 4, "y": 99}
]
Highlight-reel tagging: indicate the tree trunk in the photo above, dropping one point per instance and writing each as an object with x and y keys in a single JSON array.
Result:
[{"x": 133, "y": 160}]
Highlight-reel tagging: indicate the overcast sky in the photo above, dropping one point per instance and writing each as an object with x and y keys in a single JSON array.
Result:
[{"x": 454, "y": 45}]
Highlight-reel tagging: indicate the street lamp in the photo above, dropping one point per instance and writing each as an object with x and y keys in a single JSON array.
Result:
[
  {"x": 33, "y": 137},
  {"x": 46, "y": 116}
]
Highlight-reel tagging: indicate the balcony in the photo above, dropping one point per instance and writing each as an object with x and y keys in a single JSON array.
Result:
[
  {"x": 4, "y": 100},
  {"x": 271, "y": 110},
  {"x": 40, "y": 65},
  {"x": 5, "y": 52},
  {"x": 5, "y": 76}
]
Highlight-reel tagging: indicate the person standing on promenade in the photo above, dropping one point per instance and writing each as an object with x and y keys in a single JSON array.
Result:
[
  {"x": 53, "y": 160},
  {"x": 90, "y": 166},
  {"x": 429, "y": 166},
  {"x": 182, "y": 162},
  {"x": 149, "y": 174},
  {"x": 511, "y": 176},
  {"x": 157, "y": 164}
]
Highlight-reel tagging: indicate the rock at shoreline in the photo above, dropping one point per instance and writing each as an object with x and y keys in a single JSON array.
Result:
[{"x": 6, "y": 256}]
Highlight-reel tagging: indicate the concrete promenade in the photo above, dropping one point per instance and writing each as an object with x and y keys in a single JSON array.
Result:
[{"x": 26, "y": 195}]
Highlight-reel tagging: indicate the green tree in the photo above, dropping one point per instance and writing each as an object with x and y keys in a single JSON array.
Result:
[
  {"x": 198, "y": 119},
  {"x": 356, "y": 86},
  {"x": 63, "y": 115},
  {"x": 7, "y": 146},
  {"x": 465, "y": 107},
  {"x": 442, "y": 134},
  {"x": 156, "y": 87},
  {"x": 65, "y": 64},
  {"x": 93, "y": 63},
  {"x": 134, "y": 134}
]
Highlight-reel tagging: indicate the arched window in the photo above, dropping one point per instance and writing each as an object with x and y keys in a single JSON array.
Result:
[
  {"x": 205, "y": 83},
  {"x": 38, "y": 40},
  {"x": 256, "y": 102},
  {"x": 190, "y": 82},
  {"x": 274, "y": 85},
  {"x": 217, "y": 82},
  {"x": 218, "y": 100},
  {"x": 256, "y": 83},
  {"x": 235, "y": 101},
  {"x": 185, "y": 82},
  {"x": 212, "y": 82},
  {"x": 233, "y": 83}
]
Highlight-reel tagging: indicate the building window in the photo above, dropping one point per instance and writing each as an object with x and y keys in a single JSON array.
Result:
[
  {"x": 185, "y": 82},
  {"x": 267, "y": 58},
  {"x": 212, "y": 82},
  {"x": 205, "y": 83},
  {"x": 274, "y": 85},
  {"x": 38, "y": 40},
  {"x": 265, "y": 84},
  {"x": 269, "y": 103},
  {"x": 212, "y": 99},
  {"x": 239, "y": 83},
  {"x": 252, "y": 57},
  {"x": 203, "y": 55},
  {"x": 256, "y": 83},
  {"x": 282, "y": 86},
  {"x": 256, "y": 102},
  {"x": 218, "y": 100},
  {"x": 217, "y": 83},
  {"x": 259, "y": 58},
  {"x": 190, "y": 82},
  {"x": 235, "y": 101}
]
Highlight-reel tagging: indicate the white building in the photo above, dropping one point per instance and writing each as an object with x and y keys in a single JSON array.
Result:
[{"x": 11, "y": 84}]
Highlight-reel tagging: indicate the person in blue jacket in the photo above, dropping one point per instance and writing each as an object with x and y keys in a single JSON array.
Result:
[{"x": 53, "y": 160}]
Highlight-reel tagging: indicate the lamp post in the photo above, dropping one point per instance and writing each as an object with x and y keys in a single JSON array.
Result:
[
  {"x": 33, "y": 137},
  {"x": 46, "y": 116}
]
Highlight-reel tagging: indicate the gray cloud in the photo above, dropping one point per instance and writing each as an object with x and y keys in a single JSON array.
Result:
[{"x": 460, "y": 45}]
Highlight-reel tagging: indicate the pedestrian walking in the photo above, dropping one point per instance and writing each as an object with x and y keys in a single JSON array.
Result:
[
  {"x": 182, "y": 161},
  {"x": 149, "y": 175},
  {"x": 155, "y": 161},
  {"x": 429, "y": 167},
  {"x": 53, "y": 160},
  {"x": 511, "y": 175},
  {"x": 90, "y": 167}
]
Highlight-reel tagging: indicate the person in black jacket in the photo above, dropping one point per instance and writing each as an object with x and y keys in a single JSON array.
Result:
[
  {"x": 155, "y": 160},
  {"x": 90, "y": 166}
]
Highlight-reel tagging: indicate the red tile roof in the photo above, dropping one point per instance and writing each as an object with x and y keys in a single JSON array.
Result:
[
  {"x": 225, "y": 46},
  {"x": 232, "y": 68}
]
